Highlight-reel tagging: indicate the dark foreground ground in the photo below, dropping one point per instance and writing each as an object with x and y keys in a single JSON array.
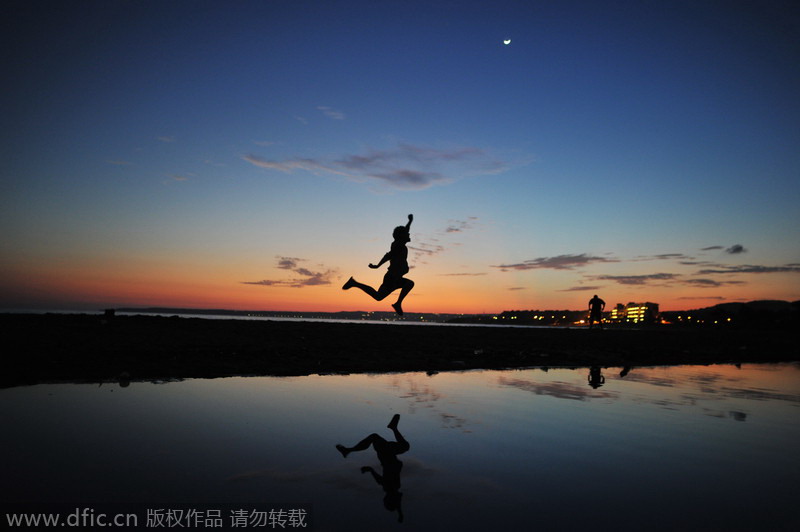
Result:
[{"x": 57, "y": 347}]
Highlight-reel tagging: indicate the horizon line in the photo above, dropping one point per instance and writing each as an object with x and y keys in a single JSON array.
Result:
[{"x": 206, "y": 310}]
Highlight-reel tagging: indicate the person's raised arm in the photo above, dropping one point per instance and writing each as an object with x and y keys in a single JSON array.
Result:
[
  {"x": 375, "y": 475},
  {"x": 410, "y": 219}
]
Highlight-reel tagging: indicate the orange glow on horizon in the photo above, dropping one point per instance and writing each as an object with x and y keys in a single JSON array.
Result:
[
  {"x": 187, "y": 294},
  {"x": 133, "y": 282}
]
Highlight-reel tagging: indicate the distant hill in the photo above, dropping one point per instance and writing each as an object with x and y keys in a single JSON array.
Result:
[
  {"x": 768, "y": 305},
  {"x": 763, "y": 314}
]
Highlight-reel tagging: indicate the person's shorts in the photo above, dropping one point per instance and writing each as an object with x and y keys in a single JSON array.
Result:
[{"x": 392, "y": 281}]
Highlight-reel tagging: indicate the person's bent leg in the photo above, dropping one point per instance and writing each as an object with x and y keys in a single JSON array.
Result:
[
  {"x": 406, "y": 286},
  {"x": 393, "y": 427}
]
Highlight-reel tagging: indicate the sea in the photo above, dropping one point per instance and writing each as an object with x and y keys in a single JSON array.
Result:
[{"x": 642, "y": 448}]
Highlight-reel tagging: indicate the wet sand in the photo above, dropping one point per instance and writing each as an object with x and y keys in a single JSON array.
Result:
[{"x": 81, "y": 348}]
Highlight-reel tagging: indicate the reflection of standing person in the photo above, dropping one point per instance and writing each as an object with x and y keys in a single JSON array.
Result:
[
  {"x": 387, "y": 452},
  {"x": 596, "y": 306},
  {"x": 398, "y": 267},
  {"x": 596, "y": 378}
]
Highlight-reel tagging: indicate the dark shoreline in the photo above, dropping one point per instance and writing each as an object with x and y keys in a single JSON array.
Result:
[{"x": 91, "y": 348}]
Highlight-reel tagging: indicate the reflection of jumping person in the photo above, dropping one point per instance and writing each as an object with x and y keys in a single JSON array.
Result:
[
  {"x": 398, "y": 267},
  {"x": 596, "y": 306},
  {"x": 387, "y": 452}
]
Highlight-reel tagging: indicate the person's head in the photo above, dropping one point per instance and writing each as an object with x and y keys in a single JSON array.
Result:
[{"x": 401, "y": 233}]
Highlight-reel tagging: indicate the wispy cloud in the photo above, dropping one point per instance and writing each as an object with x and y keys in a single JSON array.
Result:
[
  {"x": 695, "y": 262},
  {"x": 662, "y": 279},
  {"x": 166, "y": 139},
  {"x": 636, "y": 279},
  {"x": 306, "y": 277},
  {"x": 406, "y": 167},
  {"x": 709, "y": 283},
  {"x": 410, "y": 179},
  {"x": 312, "y": 279},
  {"x": 461, "y": 274},
  {"x": 288, "y": 263},
  {"x": 177, "y": 178},
  {"x": 749, "y": 268},
  {"x": 558, "y": 390},
  {"x": 559, "y": 262},
  {"x": 579, "y": 288},
  {"x": 426, "y": 248},
  {"x": 459, "y": 226},
  {"x": 287, "y": 166},
  {"x": 736, "y": 249},
  {"x": 661, "y": 256},
  {"x": 732, "y": 250},
  {"x": 331, "y": 113}
]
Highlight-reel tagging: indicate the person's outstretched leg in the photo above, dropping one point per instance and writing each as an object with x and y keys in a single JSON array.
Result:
[
  {"x": 372, "y": 439},
  {"x": 377, "y": 295}
]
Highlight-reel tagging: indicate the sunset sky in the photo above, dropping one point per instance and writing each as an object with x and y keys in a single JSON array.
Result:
[{"x": 254, "y": 155}]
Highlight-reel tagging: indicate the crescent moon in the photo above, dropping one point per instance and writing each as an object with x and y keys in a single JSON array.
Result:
[{"x": 507, "y": 41}]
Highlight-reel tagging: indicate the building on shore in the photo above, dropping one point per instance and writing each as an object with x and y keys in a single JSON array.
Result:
[
  {"x": 630, "y": 314},
  {"x": 634, "y": 313}
]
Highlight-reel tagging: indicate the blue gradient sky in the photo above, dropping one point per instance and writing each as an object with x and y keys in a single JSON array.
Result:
[{"x": 257, "y": 154}]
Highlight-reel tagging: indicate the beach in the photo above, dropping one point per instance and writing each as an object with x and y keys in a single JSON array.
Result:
[{"x": 88, "y": 348}]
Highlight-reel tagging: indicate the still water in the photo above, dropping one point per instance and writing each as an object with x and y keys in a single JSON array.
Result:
[{"x": 674, "y": 448}]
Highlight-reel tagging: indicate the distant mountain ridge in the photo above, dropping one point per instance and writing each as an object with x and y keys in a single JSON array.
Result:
[
  {"x": 761, "y": 314},
  {"x": 769, "y": 305}
]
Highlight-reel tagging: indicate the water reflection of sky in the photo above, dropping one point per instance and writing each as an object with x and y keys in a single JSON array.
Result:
[{"x": 710, "y": 447}]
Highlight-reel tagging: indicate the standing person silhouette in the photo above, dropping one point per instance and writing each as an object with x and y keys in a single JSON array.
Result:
[
  {"x": 596, "y": 306},
  {"x": 398, "y": 267}
]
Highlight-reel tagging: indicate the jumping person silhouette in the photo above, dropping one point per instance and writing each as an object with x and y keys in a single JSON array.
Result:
[
  {"x": 387, "y": 452},
  {"x": 398, "y": 267}
]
